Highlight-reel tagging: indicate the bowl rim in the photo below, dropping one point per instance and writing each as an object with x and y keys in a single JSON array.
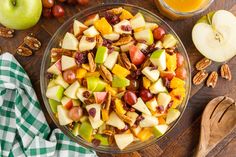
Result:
[{"x": 42, "y": 77}]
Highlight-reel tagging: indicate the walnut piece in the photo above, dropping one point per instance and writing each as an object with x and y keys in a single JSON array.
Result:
[
  {"x": 200, "y": 77},
  {"x": 226, "y": 72},
  {"x": 32, "y": 42},
  {"x": 203, "y": 64},
  {"x": 212, "y": 79},
  {"x": 24, "y": 51}
]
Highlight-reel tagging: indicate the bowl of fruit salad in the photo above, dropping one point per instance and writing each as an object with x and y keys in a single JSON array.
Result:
[{"x": 115, "y": 78}]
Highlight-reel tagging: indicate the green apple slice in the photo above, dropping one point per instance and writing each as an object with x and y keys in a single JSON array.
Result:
[
  {"x": 120, "y": 82},
  {"x": 158, "y": 58},
  {"x": 148, "y": 121},
  {"x": 111, "y": 60},
  {"x": 55, "y": 68},
  {"x": 151, "y": 74},
  {"x": 53, "y": 104},
  {"x": 123, "y": 140},
  {"x": 63, "y": 115},
  {"x": 137, "y": 21},
  {"x": 75, "y": 130},
  {"x": 172, "y": 115},
  {"x": 51, "y": 83},
  {"x": 101, "y": 54},
  {"x": 157, "y": 87},
  {"x": 145, "y": 35},
  {"x": 55, "y": 93},
  {"x": 95, "y": 84},
  {"x": 160, "y": 130},
  {"x": 60, "y": 81},
  {"x": 115, "y": 121},
  {"x": 152, "y": 104},
  {"x": 70, "y": 42},
  {"x": 102, "y": 138},
  {"x": 67, "y": 62},
  {"x": 141, "y": 106},
  {"x": 86, "y": 45},
  {"x": 72, "y": 90},
  {"x": 169, "y": 41},
  {"x": 86, "y": 131},
  {"x": 216, "y": 40}
]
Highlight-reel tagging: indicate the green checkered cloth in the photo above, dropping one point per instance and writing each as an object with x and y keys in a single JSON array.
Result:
[{"x": 23, "y": 127}]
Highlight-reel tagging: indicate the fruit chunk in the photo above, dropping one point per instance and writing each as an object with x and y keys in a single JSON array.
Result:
[
  {"x": 148, "y": 121},
  {"x": 72, "y": 90},
  {"x": 172, "y": 115},
  {"x": 146, "y": 83},
  {"x": 152, "y": 104},
  {"x": 123, "y": 140},
  {"x": 157, "y": 87},
  {"x": 67, "y": 102},
  {"x": 169, "y": 41},
  {"x": 115, "y": 121},
  {"x": 95, "y": 84},
  {"x": 168, "y": 74},
  {"x": 53, "y": 104},
  {"x": 101, "y": 54},
  {"x": 70, "y": 42},
  {"x": 51, "y": 83},
  {"x": 136, "y": 56},
  {"x": 95, "y": 123},
  {"x": 78, "y": 27},
  {"x": 217, "y": 36},
  {"x": 94, "y": 111},
  {"x": 86, "y": 44},
  {"x": 158, "y": 58},
  {"x": 80, "y": 94},
  {"x": 111, "y": 60},
  {"x": 177, "y": 96},
  {"x": 60, "y": 81},
  {"x": 181, "y": 73},
  {"x": 142, "y": 46},
  {"x": 151, "y": 74},
  {"x": 160, "y": 130},
  {"x": 125, "y": 15},
  {"x": 120, "y": 82},
  {"x": 119, "y": 107},
  {"x": 120, "y": 71},
  {"x": 151, "y": 26},
  {"x": 171, "y": 62},
  {"x": 55, "y": 93},
  {"x": 145, "y": 35},
  {"x": 80, "y": 73},
  {"x": 100, "y": 97},
  {"x": 67, "y": 62},
  {"x": 86, "y": 131},
  {"x": 102, "y": 138},
  {"x": 133, "y": 116},
  {"x": 63, "y": 115},
  {"x": 145, "y": 134},
  {"x": 176, "y": 83},
  {"x": 141, "y": 106},
  {"x": 118, "y": 28},
  {"x": 55, "y": 68},
  {"x": 103, "y": 26},
  {"x": 158, "y": 33},
  {"x": 91, "y": 19},
  {"x": 137, "y": 21},
  {"x": 112, "y": 36},
  {"x": 91, "y": 32},
  {"x": 163, "y": 99}
]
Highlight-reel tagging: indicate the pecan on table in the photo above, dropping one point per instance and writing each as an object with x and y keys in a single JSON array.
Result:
[
  {"x": 212, "y": 79},
  {"x": 226, "y": 72},
  {"x": 203, "y": 64},
  {"x": 105, "y": 73},
  {"x": 200, "y": 77},
  {"x": 32, "y": 42},
  {"x": 92, "y": 64},
  {"x": 6, "y": 32},
  {"x": 24, "y": 51}
]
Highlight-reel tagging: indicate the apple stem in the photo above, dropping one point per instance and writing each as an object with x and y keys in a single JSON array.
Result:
[{"x": 13, "y": 2}]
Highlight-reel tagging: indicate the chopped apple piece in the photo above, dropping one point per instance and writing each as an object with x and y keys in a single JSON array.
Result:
[
  {"x": 80, "y": 95},
  {"x": 151, "y": 26},
  {"x": 55, "y": 68},
  {"x": 118, "y": 27},
  {"x": 137, "y": 21},
  {"x": 133, "y": 116},
  {"x": 141, "y": 106},
  {"x": 112, "y": 36},
  {"x": 101, "y": 54},
  {"x": 86, "y": 131},
  {"x": 160, "y": 130},
  {"x": 95, "y": 123},
  {"x": 51, "y": 83},
  {"x": 172, "y": 115},
  {"x": 120, "y": 82},
  {"x": 157, "y": 87},
  {"x": 100, "y": 97},
  {"x": 123, "y": 140},
  {"x": 158, "y": 58},
  {"x": 111, "y": 60},
  {"x": 169, "y": 41},
  {"x": 70, "y": 42},
  {"x": 94, "y": 111},
  {"x": 78, "y": 27},
  {"x": 53, "y": 104},
  {"x": 72, "y": 90},
  {"x": 163, "y": 99},
  {"x": 145, "y": 35},
  {"x": 91, "y": 32},
  {"x": 55, "y": 93},
  {"x": 60, "y": 81},
  {"x": 148, "y": 121},
  {"x": 102, "y": 138},
  {"x": 67, "y": 102},
  {"x": 126, "y": 47},
  {"x": 151, "y": 74},
  {"x": 142, "y": 46},
  {"x": 67, "y": 62},
  {"x": 86, "y": 45},
  {"x": 152, "y": 104},
  {"x": 91, "y": 19},
  {"x": 63, "y": 115},
  {"x": 115, "y": 121}
]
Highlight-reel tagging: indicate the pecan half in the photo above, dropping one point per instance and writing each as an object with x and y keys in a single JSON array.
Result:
[
  {"x": 24, "y": 51},
  {"x": 106, "y": 74},
  {"x": 92, "y": 64},
  {"x": 226, "y": 72},
  {"x": 116, "y": 10},
  {"x": 6, "y": 32},
  {"x": 147, "y": 63},
  {"x": 108, "y": 132},
  {"x": 200, "y": 77},
  {"x": 125, "y": 118},
  {"x": 133, "y": 67},
  {"x": 32, "y": 42},
  {"x": 203, "y": 64},
  {"x": 56, "y": 53},
  {"x": 99, "y": 40},
  {"x": 212, "y": 79},
  {"x": 123, "y": 40},
  {"x": 124, "y": 61}
]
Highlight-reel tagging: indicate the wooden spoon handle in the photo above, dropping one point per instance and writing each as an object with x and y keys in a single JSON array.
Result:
[{"x": 201, "y": 152}]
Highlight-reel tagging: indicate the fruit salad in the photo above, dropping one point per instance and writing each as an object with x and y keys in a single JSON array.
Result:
[{"x": 116, "y": 79}]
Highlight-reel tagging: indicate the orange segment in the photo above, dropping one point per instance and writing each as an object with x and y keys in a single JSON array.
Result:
[{"x": 103, "y": 26}]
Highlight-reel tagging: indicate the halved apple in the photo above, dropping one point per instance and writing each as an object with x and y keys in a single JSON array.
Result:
[
  {"x": 216, "y": 39},
  {"x": 70, "y": 42}
]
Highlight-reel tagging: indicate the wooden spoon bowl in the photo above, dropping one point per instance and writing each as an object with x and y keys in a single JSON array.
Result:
[{"x": 218, "y": 120}]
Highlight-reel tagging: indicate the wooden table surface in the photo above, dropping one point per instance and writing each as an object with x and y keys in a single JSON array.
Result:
[{"x": 183, "y": 139}]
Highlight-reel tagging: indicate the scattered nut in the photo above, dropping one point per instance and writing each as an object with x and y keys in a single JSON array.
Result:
[
  {"x": 203, "y": 64},
  {"x": 225, "y": 72},
  {"x": 147, "y": 63},
  {"x": 116, "y": 10},
  {"x": 123, "y": 40},
  {"x": 212, "y": 79},
  {"x": 106, "y": 74},
  {"x": 92, "y": 64},
  {"x": 200, "y": 77},
  {"x": 99, "y": 40},
  {"x": 24, "y": 51},
  {"x": 56, "y": 53},
  {"x": 32, "y": 42},
  {"x": 124, "y": 60},
  {"x": 6, "y": 32}
]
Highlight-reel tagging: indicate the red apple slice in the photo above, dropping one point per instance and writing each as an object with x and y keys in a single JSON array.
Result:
[
  {"x": 100, "y": 97},
  {"x": 137, "y": 57}
]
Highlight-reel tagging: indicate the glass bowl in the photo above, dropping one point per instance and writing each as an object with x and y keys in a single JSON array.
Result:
[
  {"x": 172, "y": 14},
  {"x": 54, "y": 42}
]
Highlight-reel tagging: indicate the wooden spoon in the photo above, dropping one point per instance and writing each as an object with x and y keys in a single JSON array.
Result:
[{"x": 218, "y": 120}]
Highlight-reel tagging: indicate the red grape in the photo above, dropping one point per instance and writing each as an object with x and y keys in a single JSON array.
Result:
[
  {"x": 146, "y": 95},
  {"x": 180, "y": 59},
  {"x": 75, "y": 113},
  {"x": 47, "y": 12},
  {"x": 69, "y": 76},
  {"x": 48, "y": 3},
  {"x": 158, "y": 33},
  {"x": 134, "y": 85},
  {"x": 58, "y": 11},
  {"x": 130, "y": 98},
  {"x": 83, "y": 2},
  {"x": 181, "y": 73}
]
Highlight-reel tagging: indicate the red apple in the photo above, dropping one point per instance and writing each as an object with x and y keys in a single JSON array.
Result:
[
  {"x": 136, "y": 56},
  {"x": 100, "y": 97}
]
